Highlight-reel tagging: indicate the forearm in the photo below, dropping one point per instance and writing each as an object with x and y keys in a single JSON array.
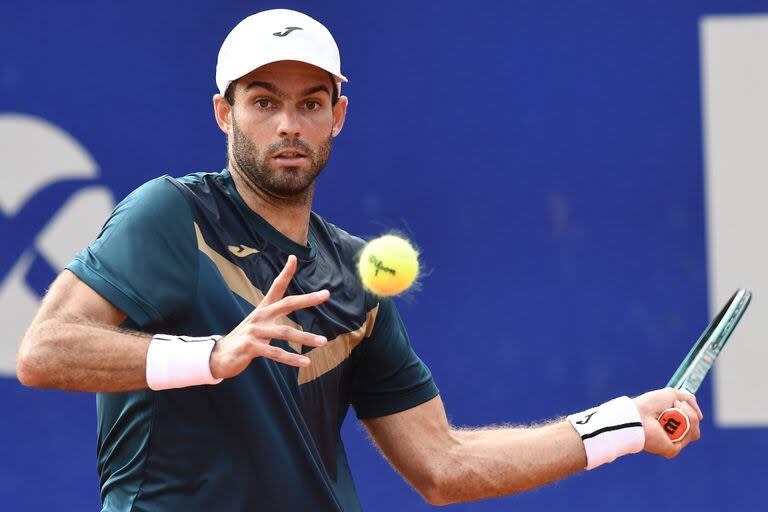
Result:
[
  {"x": 494, "y": 462},
  {"x": 80, "y": 356}
]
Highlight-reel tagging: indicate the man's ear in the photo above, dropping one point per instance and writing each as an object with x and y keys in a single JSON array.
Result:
[
  {"x": 339, "y": 114},
  {"x": 222, "y": 110}
]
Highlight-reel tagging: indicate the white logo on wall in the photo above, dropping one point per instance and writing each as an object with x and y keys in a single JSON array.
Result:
[
  {"x": 52, "y": 204},
  {"x": 734, "y": 54}
]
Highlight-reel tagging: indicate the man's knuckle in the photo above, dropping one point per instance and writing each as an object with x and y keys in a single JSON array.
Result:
[
  {"x": 253, "y": 346},
  {"x": 260, "y": 334}
]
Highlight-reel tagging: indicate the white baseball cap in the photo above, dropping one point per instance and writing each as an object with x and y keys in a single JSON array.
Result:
[{"x": 274, "y": 35}]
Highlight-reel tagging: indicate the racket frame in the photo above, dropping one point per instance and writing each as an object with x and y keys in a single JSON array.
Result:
[{"x": 701, "y": 357}]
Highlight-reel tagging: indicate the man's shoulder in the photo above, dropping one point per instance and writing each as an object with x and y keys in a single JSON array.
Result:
[
  {"x": 345, "y": 248},
  {"x": 197, "y": 178},
  {"x": 157, "y": 206},
  {"x": 166, "y": 188},
  {"x": 202, "y": 189},
  {"x": 197, "y": 183},
  {"x": 156, "y": 198},
  {"x": 348, "y": 244}
]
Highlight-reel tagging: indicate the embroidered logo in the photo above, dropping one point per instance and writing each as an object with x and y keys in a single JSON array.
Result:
[
  {"x": 241, "y": 251},
  {"x": 586, "y": 419},
  {"x": 288, "y": 30}
]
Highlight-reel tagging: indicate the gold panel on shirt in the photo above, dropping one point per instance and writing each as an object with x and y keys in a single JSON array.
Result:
[{"x": 323, "y": 359}]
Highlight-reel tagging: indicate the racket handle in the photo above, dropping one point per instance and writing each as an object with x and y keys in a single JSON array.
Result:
[{"x": 675, "y": 424}]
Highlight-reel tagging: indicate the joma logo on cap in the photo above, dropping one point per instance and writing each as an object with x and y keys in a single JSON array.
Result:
[{"x": 288, "y": 30}]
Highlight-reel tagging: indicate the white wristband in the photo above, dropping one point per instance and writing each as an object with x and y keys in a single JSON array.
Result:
[
  {"x": 610, "y": 430},
  {"x": 180, "y": 361}
]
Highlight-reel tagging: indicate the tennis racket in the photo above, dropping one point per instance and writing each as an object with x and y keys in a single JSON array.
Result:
[{"x": 696, "y": 365}]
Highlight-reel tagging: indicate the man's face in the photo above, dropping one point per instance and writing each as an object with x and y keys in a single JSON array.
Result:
[{"x": 282, "y": 125}]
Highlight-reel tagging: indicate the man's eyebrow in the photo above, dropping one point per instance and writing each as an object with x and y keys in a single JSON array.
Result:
[
  {"x": 268, "y": 86},
  {"x": 279, "y": 92},
  {"x": 316, "y": 88}
]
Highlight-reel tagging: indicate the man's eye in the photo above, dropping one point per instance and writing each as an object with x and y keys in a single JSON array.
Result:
[
  {"x": 263, "y": 103},
  {"x": 313, "y": 105}
]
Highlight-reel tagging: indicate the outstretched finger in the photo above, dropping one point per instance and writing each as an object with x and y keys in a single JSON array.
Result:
[
  {"x": 282, "y": 356},
  {"x": 280, "y": 284},
  {"x": 289, "y": 334},
  {"x": 295, "y": 302}
]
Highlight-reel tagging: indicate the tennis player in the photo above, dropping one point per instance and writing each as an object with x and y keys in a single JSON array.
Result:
[{"x": 223, "y": 328}]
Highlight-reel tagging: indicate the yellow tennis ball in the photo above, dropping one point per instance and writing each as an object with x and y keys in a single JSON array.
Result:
[{"x": 388, "y": 265}]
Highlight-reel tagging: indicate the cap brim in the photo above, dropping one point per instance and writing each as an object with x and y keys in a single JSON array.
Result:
[{"x": 248, "y": 69}]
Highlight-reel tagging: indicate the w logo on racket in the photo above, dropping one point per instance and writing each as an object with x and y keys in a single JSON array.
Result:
[
  {"x": 52, "y": 204},
  {"x": 671, "y": 426},
  {"x": 675, "y": 424}
]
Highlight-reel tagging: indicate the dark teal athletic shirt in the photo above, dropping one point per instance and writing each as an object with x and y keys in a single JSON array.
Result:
[{"x": 187, "y": 257}]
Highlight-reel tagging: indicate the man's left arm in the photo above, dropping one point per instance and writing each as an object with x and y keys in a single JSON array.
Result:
[{"x": 449, "y": 465}]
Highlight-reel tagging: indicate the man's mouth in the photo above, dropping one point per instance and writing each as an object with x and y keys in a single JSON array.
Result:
[{"x": 290, "y": 156}]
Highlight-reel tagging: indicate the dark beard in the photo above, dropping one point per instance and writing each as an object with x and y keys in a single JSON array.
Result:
[{"x": 280, "y": 182}]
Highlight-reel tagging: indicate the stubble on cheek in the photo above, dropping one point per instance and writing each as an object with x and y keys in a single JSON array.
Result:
[{"x": 262, "y": 171}]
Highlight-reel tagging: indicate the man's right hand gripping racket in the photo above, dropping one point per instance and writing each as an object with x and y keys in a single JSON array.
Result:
[{"x": 699, "y": 360}]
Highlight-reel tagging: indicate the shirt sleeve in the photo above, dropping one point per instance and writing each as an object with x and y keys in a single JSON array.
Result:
[
  {"x": 144, "y": 261},
  {"x": 388, "y": 376}
]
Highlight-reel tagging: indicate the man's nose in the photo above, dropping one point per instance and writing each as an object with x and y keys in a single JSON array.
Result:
[{"x": 290, "y": 124}]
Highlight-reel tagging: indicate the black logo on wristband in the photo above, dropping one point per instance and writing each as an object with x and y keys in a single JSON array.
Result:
[{"x": 586, "y": 419}]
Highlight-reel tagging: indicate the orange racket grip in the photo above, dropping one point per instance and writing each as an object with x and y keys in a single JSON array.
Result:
[{"x": 675, "y": 424}]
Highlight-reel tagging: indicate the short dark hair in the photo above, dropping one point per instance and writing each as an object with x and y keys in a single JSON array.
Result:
[{"x": 229, "y": 94}]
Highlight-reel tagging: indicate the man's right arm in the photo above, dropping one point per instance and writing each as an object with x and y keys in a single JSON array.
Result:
[{"x": 74, "y": 342}]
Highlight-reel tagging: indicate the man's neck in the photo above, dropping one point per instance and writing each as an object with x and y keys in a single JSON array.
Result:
[{"x": 290, "y": 216}]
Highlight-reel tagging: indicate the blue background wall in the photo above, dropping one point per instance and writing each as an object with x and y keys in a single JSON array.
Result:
[{"x": 546, "y": 156}]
